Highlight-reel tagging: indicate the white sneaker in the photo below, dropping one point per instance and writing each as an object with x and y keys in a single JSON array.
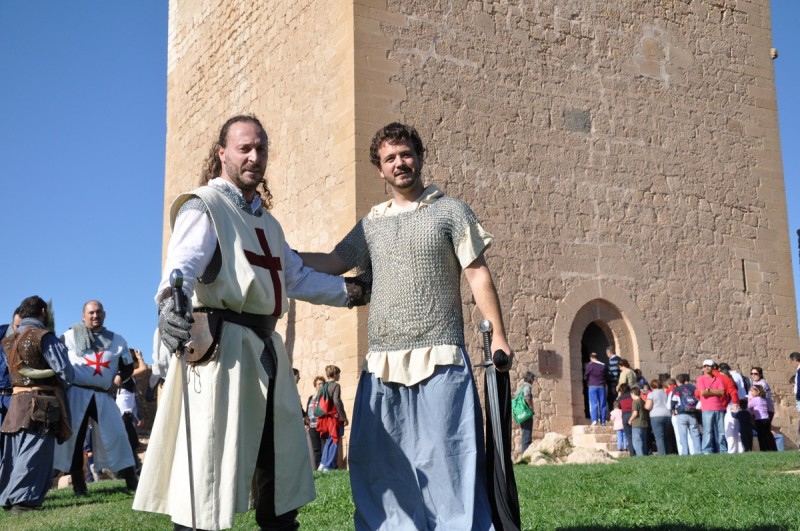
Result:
[{"x": 594, "y": 423}]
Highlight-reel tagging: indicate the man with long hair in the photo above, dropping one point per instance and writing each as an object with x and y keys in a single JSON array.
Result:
[
  {"x": 237, "y": 267},
  {"x": 37, "y": 416}
]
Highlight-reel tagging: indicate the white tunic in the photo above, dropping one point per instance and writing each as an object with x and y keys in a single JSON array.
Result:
[
  {"x": 228, "y": 396},
  {"x": 110, "y": 444}
]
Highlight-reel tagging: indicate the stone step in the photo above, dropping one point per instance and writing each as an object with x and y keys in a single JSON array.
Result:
[{"x": 596, "y": 437}]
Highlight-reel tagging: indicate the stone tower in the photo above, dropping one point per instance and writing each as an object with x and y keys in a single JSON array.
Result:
[{"x": 625, "y": 155}]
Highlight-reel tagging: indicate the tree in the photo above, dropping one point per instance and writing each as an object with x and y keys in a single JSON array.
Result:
[{"x": 51, "y": 317}]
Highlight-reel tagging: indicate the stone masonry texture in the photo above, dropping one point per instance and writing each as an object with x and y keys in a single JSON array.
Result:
[{"x": 624, "y": 154}]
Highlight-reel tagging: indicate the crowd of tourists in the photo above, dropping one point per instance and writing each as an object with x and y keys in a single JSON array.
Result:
[{"x": 720, "y": 411}]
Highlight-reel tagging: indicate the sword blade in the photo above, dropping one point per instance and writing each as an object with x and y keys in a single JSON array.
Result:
[
  {"x": 187, "y": 421},
  {"x": 179, "y": 298},
  {"x": 494, "y": 412}
]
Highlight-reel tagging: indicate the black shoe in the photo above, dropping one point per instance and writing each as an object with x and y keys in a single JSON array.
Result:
[
  {"x": 179, "y": 527},
  {"x": 20, "y": 509},
  {"x": 79, "y": 485},
  {"x": 129, "y": 475}
]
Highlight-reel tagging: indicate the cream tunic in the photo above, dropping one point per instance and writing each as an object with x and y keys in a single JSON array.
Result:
[{"x": 228, "y": 396}]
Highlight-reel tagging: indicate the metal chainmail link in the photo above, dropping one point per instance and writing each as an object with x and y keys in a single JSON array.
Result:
[
  {"x": 416, "y": 289},
  {"x": 354, "y": 252}
]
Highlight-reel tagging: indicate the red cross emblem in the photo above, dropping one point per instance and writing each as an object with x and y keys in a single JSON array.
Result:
[
  {"x": 97, "y": 363},
  {"x": 270, "y": 263}
]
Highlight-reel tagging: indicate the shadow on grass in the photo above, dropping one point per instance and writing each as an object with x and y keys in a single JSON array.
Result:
[
  {"x": 670, "y": 527},
  {"x": 101, "y": 492}
]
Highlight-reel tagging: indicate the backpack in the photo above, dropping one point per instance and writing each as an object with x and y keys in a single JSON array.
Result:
[
  {"x": 324, "y": 401},
  {"x": 519, "y": 408},
  {"x": 687, "y": 402}
]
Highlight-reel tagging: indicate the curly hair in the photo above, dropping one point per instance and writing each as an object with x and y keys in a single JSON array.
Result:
[
  {"x": 392, "y": 134},
  {"x": 213, "y": 165}
]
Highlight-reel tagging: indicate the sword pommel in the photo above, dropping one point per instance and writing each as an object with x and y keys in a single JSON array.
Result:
[{"x": 486, "y": 326}]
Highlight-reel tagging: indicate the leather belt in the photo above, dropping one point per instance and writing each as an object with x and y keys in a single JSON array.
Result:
[
  {"x": 263, "y": 325},
  {"x": 90, "y": 388},
  {"x": 19, "y": 389}
]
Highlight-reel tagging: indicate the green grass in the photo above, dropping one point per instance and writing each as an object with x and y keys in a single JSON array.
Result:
[{"x": 748, "y": 491}]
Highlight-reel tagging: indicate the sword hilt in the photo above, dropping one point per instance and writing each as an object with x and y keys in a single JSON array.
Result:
[
  {"x": 486, "y": 331},
  {"x": 178, "y": 295},
  {"x": 179, "y": 300}
]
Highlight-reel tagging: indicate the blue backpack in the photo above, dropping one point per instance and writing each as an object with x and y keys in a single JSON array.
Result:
[{"x": 687, "y": 402}]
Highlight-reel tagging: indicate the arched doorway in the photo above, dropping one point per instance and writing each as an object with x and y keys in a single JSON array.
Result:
[
  {"x": 596, "y": 337},
  {"x": 612, "y": 309},
  {"x": 597, "y": 324}
]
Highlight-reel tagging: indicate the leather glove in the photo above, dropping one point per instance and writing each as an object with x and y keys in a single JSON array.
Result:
[
  {"x": 359, "y": 292},
  {"x": 173, "y": 327}
]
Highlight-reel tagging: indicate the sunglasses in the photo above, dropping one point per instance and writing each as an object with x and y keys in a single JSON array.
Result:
[{"x": 755, "y": 374}]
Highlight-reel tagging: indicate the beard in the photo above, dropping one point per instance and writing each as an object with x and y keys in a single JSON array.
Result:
[
  {"x": 246, "y": 178},
  {"x": 406, "y": 180}
]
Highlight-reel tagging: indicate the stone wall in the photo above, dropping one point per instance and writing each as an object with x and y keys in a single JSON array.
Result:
[{"x": 625, "y": 155}]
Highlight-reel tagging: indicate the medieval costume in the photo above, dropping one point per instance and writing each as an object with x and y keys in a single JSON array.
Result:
[
  {"x": 243, "y": 404},
  {"x": 5, "y": 383},
  {"x": 96, "y": 357},
  {"x": 37, "y": 416},
  {"x": 417, "y": 412}
]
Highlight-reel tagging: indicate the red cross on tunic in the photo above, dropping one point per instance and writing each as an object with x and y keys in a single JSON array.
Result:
[
  {"x": 97, "y": 363},
  {"x": 271, "y": 264}
]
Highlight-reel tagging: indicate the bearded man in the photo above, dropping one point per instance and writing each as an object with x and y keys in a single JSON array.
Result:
[
  {"x": 97, "y": 355},
  {"x": 245, "y": 423}
]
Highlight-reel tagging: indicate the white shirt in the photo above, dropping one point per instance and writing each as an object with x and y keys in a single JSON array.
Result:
[{"x": 194, "y": 240}]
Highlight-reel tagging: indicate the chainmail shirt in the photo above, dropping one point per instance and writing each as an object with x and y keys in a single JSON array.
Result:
[{"x": 416, "y": 274}]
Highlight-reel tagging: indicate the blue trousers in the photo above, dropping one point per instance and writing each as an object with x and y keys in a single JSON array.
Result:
[
  {"x": 714, "y": 432},
  {"x": 621, "y": 443},
  {"x": 641, "y": 441},
  {"x": 330, "y": 452},
  {"x": 417, "y": 457},
  {"x": 598, "y": 407}
]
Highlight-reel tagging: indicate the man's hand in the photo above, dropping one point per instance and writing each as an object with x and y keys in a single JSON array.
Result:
[
  {"x": 173, "y": 327},
  {"x": 358, "y": 292},
  {"x": 503, "y": 357}
]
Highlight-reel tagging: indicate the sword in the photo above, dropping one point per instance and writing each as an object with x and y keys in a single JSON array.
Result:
[
  {"x": 179, "y": 298},
  {"x": 491, "y": 384},
  {"x": 503, "y": 497}
]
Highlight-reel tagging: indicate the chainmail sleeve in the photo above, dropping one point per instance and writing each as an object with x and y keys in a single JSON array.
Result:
[
  {"x": 193, "y": 203},
  {"x": 354, "y": 252},
  {"x": 462, "y": 226},
  {"x": 214, "y": 266}
]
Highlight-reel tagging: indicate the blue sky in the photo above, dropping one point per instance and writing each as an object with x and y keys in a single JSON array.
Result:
[{"x": 84, "y": 123}]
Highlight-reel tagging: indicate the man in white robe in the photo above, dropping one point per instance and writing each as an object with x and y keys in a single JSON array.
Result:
[
  {"x": 97, "y": 355},
  {"x": 245, "y": 424}
]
